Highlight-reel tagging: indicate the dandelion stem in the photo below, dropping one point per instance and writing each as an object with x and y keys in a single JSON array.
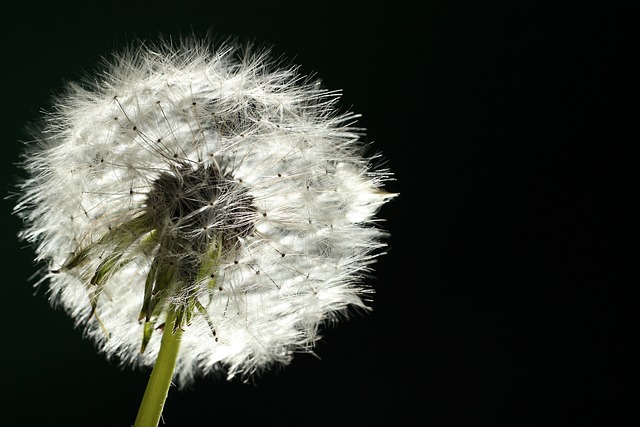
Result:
[{"x": 160, "y": 380}]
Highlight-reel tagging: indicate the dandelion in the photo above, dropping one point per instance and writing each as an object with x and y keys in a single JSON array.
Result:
[{"x": 207, "y": 200}]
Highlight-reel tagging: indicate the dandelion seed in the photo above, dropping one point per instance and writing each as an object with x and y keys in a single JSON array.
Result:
[{"x": 213, "y": 184}]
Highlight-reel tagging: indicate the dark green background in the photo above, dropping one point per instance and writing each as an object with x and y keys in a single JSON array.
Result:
[{"x": 493, "y": 306}]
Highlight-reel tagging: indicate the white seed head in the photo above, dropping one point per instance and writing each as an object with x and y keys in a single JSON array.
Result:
[{"x": 212, "y": 182}]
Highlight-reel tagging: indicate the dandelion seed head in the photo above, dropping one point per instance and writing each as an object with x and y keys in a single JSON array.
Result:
[{"x": 214, "y": 182}]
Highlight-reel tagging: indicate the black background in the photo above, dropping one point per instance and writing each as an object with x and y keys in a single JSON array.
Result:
[{"x": 494, "y": 305}]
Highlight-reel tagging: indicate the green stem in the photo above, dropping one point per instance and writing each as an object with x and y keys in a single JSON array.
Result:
[{"x": 160, "y": 380}]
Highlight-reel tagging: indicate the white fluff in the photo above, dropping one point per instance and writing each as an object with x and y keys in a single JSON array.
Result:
[{"x": 285, "y": 241}]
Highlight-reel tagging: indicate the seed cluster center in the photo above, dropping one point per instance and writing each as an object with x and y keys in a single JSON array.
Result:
[{"x": 196, "y": 204}]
